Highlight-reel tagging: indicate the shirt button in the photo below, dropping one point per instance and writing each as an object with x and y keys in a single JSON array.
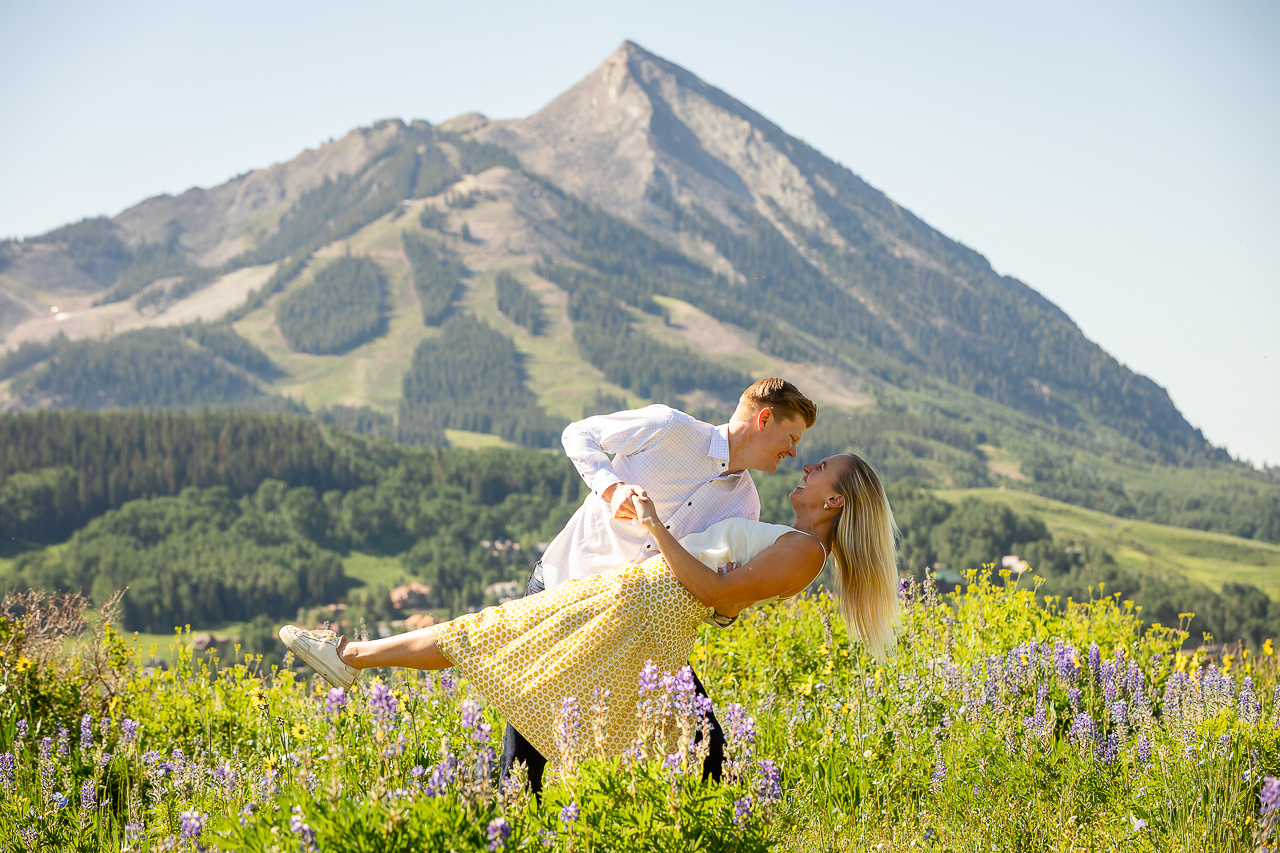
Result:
[{"x": 690, "y": 503}]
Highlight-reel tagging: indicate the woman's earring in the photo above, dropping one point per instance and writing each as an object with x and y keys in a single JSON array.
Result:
[{"x": 825, "y": 505}]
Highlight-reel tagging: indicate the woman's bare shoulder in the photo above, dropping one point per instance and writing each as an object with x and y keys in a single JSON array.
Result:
[{"x": 799, "y": 544}]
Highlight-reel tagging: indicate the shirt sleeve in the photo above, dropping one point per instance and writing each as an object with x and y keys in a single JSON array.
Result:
[{"x": 589, "y": 442}]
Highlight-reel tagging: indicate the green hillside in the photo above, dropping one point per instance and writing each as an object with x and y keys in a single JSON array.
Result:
[{"x": 1212, "y": 559}]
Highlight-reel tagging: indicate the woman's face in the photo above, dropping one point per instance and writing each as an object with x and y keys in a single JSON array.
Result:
[{"x": 818, "y": 485}]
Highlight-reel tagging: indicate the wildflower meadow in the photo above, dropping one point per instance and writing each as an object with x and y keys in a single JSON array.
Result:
[{"x": 1002, "y": 723}]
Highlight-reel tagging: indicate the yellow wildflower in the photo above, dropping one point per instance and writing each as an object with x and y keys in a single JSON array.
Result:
[
  {"x": 24, "y": 663},
  {"x": 1267, "y": 648}
]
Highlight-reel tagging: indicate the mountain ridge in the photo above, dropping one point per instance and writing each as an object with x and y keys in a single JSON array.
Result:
[{"x": 766, "y": 221}]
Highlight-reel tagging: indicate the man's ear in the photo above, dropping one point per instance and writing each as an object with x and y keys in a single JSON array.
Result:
[{"x": 763, "y": 417}]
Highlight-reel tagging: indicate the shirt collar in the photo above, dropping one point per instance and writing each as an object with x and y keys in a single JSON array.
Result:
[{"x": 719, "y": 449}]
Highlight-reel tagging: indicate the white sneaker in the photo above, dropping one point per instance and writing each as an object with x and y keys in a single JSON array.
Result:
[{"x": 319, "y": 650}]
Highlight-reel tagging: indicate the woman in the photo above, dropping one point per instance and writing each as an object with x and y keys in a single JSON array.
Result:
[{"x": 527, "y": 655}]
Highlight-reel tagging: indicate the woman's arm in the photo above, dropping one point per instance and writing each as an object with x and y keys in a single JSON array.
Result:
[{"x": 783, "y": 569}]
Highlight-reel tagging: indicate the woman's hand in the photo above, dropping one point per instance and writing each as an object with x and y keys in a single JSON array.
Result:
[{"x": 646, "y": 513}]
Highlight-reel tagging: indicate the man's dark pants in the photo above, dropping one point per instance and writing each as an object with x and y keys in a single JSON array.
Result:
[{"x": 516, "y": 748}]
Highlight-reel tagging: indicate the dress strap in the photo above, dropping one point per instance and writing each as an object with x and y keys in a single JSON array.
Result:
[{"x": 820, "y": 545}]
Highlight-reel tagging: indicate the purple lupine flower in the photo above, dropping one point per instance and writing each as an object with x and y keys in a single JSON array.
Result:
[
  {"x": 939, "y": 772},
  {"x": 448, "y": 683},
  {"x": 1107, "y": 675},
  {"x": 649, "y": 677},
  {"x": 1270, "y": 797},
  {"x": 742, "y": 811},
  {"x": 671, "y": 764},
  {"x": 383, "y": 705},
  {"x": 105, "y": 727},
  {"x": 1109, "y": 748},
  {"x": 1083, "y": 732},
  {"x": 442, "y": 774},
  {"x": 1119, "y": 713},
  {"x": 86, "y": 733},
  {"x": 740, "y": 723},
  {"x": 569, "y": 720},
  {"x": 88, "y": 796},
  {"x": 1064, "y": 662},
  {"x": 128, "y": 732},
  {"x": 1135, "y": 680},
  {"x": 770, "y": 781},
  {"x": 904, "y": 587},
  {"x": 64, "y": 741},
  {"x": 334, "y": 701},
  {"x": 1144, "y": 749},
  {"x": 8, "y": 769},
  {"x": 1250, "y": 709},
  {"x": 1039, "y": 720},
  {"x": 499, "y": 831},
  {"x": 685, "y": 689},
  {"x": 1073, "y": 697},
  {"x": 1095, "y": 659},
  {"x": 22, "y": 724},
  {"x": 60, "y": 801},
  {"x": 569, "y": 815},
  {"x": 192, "y": 824},
  {"x": 306, "y": 835},
  {"x": 132, "y": 833},
  {"x": 46, "y": 762},
  {"x": 473, "y": 722}
]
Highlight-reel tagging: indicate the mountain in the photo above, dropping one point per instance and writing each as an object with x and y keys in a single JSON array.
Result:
[{"x": 645, "y": 236}]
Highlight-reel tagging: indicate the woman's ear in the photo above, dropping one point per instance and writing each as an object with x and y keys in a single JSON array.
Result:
[{"x": 834, "y": 502}]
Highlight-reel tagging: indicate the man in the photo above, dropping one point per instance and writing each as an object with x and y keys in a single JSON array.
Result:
[{"x": 694, "y": 473}]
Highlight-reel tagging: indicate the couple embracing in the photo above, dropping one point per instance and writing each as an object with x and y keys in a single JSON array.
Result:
[{"x": 670, "y": 537}]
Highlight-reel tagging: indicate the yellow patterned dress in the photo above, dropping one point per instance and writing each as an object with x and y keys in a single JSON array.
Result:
[{"x": 527, "y": 655}]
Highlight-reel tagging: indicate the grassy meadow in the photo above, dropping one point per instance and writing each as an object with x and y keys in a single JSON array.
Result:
[{"x": 1001, "y": 724}]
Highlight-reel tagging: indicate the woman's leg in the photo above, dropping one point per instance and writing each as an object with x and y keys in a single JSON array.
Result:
[{"x": 412, "y": 650}]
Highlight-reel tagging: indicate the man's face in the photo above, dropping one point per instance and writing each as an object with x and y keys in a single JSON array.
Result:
[{"x": 775, "y": 440}]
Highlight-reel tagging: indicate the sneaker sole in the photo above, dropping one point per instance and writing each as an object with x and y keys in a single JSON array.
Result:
[{"x": 319, "y": 665}]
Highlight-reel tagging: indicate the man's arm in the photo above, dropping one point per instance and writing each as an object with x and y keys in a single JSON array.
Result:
[{"x": 589, "y": 442}]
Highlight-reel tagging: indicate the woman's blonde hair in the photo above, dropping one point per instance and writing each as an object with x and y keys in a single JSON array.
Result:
[{"x": 865, "y": 556}]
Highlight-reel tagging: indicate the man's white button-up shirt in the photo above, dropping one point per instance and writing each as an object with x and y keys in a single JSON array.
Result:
[{"x": 680, "y": 461}]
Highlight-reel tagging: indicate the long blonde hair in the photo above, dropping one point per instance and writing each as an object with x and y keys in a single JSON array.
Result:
[{"x": 865, "y": 556}]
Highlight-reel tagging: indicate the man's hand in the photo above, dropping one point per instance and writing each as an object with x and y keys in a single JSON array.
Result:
[{"x": 619, "y": 497}]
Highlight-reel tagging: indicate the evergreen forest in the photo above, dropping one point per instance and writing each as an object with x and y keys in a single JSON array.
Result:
[
  {"x": 518, "y": 302},
  {"x": 471, "y": 378},
  {"x": 437, "y": 276},
  {"x": 341, "y": 308},
  {"x": 222, "y": 516}
]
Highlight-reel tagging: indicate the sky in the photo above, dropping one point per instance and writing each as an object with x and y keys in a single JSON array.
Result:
[{"x": 1120, "y": 158}]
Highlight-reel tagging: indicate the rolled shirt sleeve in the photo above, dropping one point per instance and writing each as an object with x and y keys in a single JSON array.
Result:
[{"x": 589, "y": 442}]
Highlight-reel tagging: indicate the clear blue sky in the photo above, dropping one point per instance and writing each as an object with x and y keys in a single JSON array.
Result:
[{"x": 1123, "y": 159}]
